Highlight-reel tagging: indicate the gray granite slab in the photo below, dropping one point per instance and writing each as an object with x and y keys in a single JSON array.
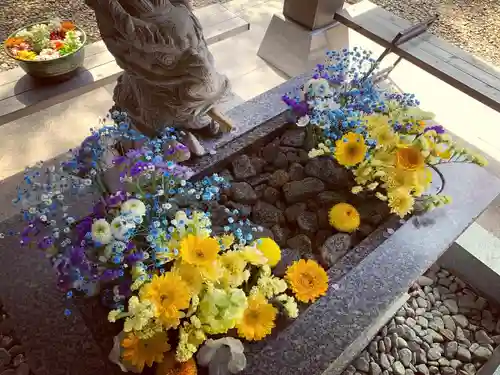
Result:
[
  {"x": 56, "y": 344},
  {"x": 364, "y": 288},
  {"x": 335, "y": 321}
]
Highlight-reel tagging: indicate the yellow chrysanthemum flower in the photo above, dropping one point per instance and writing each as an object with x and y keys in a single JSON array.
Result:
[
  {"x": 384, "y": 157},
  {"x": 26, "y": 55},
  {"x": 270, "y": 249},
  {"x": 442, "y": 150},
  {"x": 258, "y": 319},
  {"x": 233, "y": 269},
  {"x": 169, "y": 294},
  {"x": 192, "y": 275},
  {"x": 199, "y": 251},
  {"x": 144, "y": 352},
  {"x": 344, "y": 217},
  {"x": 307, "y": 279},
  {"x": 376, "y": 120},
  {"x": 423, "y": 179},
  {"x": 385, "y": 136},
  {"x": 253, "y": 256},
  {"x": 364, "y": 173},
  {"x": 399, "y": 178},
  {"x": 227, "y": 240},
  {"x": 400, "y": 201},
  {"x": 350, "y": 149},
  {"x": 409, "y": 158}
]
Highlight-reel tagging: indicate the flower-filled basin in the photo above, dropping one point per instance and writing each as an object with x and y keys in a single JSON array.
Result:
[{"x": 47, "y": 49}]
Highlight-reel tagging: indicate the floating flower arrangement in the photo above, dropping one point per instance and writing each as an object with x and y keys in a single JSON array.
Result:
[
  {"x": 182, "y": 282},
  {"x": 389, "y": 144},
  {"x": 175, "y": 282},
  {"x": 45, "y": 41}
]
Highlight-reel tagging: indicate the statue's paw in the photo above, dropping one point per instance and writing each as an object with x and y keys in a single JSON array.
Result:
[
  {"x": 226, "y": 127},
  {"x": 225, "y": 123}
]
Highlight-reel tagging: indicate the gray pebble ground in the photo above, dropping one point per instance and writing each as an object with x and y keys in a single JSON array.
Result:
[
  {"x": 473, "y": 25},
  {"x": 444, "y": 329}
]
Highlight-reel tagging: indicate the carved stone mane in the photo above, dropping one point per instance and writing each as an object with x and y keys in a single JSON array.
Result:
[{"x": 169, "y": 76}]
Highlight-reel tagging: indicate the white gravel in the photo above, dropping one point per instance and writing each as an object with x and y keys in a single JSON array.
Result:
[
  {"x": 445, "y": 328},
  {"x": 473, "y": 25}
]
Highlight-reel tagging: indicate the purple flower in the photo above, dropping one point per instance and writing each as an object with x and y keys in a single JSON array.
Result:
[
  {"x": 77, "y": 256},
  {"x": 110, "y": 275},
  {"x": 119, "y": 160},
  {"x": 133, "y": 258},
  {"x": 116, "y": 199},
  {"x": 45, "y": 243},
  {"x": 437, "y": 128},
  {"x": 83, "y": 227},
  {"x": 133, "y": 154}
]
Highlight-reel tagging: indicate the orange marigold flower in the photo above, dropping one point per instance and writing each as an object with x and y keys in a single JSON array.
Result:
[
  {"x": 170, "y": 367},
  {"x": 409, "y": 158},
  {"x": 57, "y": 44},
  {"x": 13, "y": 42},
  {"x": 67, "y": 26}
]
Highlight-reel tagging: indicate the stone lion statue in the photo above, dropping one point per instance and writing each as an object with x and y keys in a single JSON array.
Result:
[{"x": 169, "y": 78}]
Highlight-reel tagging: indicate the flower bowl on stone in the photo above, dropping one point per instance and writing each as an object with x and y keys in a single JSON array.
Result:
[{"x": 47, "y": 49}]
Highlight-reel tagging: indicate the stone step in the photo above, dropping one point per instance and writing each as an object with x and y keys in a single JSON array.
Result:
[
  {"x": 475, "y": 257},
  {"x": 20, "y": 95}
]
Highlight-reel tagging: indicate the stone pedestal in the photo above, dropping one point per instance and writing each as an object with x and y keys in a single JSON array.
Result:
[
  {"x": 312, "y": 14},
  {"x": 297, "y": 41},
  {"x": 294, "y": 49}
]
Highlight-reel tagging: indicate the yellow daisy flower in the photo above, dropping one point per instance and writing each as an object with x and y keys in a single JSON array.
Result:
[
  {"x": 350, "y": 149},
  {"x": 307, "y": 279},
  {"x": 409, "y": 158},
  {"x": 258, "y": 319},
  {"x": 144, "y": 352},
  {"x": 169, "y": 293},
  {"x": 400, "y": 201},
  {"x": 344, "y": 217},
  {"x": 192, "y": 275},
  {"x": 199, "y": 251},
  {"x": 270, "y": 249}
]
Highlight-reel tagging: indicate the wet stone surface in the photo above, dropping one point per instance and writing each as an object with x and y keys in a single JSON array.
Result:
[{"x": 444, "y": 328}]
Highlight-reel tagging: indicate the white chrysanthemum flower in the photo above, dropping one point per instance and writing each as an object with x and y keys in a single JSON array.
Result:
[
  {"x": 120, "y": 227},
  {"x": 133, "y": 207},
  {"x": 318, "y": 87},
  {"x": 101, "y": 232},
  {"x": 49, "y": 53}
]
